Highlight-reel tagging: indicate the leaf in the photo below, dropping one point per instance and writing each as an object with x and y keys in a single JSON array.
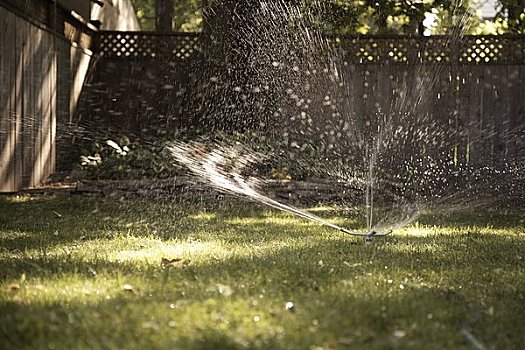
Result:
[
  {"x": 114, "y": 145},
  {"x": 175, "y": 262},
  {"x": 128, "y": 288},
  {"x": 399, "y": 333},
  {"x": 224, "y": 289},
  {"x": 165, "y": 261},
  {"x": 151, "y": 325},
  {"x": 13, "y": 287}
]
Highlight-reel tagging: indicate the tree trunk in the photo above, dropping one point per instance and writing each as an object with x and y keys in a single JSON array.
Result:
[{"x": 164, "y": 15}]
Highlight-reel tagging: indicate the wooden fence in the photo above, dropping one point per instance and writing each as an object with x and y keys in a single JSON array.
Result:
[
  {"x": 42, "y": 70},
  {"x": 475, "y": 83}
]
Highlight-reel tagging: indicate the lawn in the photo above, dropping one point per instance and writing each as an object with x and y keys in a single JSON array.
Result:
[{"x": 80, "y": 272}]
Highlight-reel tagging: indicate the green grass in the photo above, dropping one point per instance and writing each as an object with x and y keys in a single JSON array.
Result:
[{"x": 86, "y": 273}]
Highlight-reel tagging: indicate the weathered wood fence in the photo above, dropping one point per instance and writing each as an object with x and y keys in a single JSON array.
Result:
[
  {"x": 42, "y": 70},
  {"x": 45, "y": 57},
  {"x": 476, "y": 83}
]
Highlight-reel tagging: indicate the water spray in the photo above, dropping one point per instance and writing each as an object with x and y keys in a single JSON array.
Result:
[{"x": 209, "y": 165}]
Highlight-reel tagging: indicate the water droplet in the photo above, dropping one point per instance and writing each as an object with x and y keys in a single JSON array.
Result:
[{"x": 398, "y": 333}]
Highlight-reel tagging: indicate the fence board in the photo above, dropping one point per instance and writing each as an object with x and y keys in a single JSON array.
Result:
[
  {"x": 467, "y": 105},
  {"x": 25, "y": 95},
  {"x": 520, "y": 122},
  {"x": 19, "y": 138},
  {"x": 40, "y": 169},
  {"x": 4, "y": 102},
  {"x": 51, "y": 165},
  {"x": 496, "y": 108},
  {"x": 513, "y": 72}
]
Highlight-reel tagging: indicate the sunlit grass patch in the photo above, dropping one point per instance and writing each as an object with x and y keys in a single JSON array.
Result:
[{"x": 107, "y": 273}]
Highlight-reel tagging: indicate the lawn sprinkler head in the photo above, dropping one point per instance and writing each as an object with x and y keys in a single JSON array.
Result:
[{"x": 368, "y": 235}]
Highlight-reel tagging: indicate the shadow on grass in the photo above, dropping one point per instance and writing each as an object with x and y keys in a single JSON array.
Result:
[
  {"x": 341, "y": 284},
  {"x": 80, "y": 215},
  {"x": 336, "y": 320},
  {"x": 336, "y": 317}
]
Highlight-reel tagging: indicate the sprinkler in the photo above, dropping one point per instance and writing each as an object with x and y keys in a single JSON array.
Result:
[{"x": 368, "y": 235}]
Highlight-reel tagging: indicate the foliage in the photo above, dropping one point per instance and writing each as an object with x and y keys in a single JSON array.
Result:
[
  {"x": 137, "y": 274},
  {"x": 367, "y": 16},
  {"x": 388, "y": 17},
  {"x": 128, "y": 160},
  {"x": 145, "y": 11},
  {"x": 187, "y": 13},
  {"x": 511, "y": 16}
]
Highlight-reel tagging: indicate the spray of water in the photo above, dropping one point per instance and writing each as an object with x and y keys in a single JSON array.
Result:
[
  {"x": 297, "y": 86},
  {"x": 221, "y": 166}
]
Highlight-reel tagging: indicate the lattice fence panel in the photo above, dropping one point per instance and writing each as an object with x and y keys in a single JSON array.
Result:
[
  {"x": 148, "y": 45},
  {"x": 435, "y": 49},
  {"x": 357, "y": 49}
]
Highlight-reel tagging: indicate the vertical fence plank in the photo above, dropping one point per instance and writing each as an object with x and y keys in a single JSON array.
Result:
[
  {"x": 28, "y": 116},
  {"x": 513, "y": 88},
  {"x": 520, "y": 121},
  {"x": 8, "y": 125},
  {"x": 41, "y": 101},
  {"x": 18, "y": 107},
  {"x": 469, "y": 108},
  {"x": 5, "y": 42},
  {"x": 497, "y": 109},
  {"x": 47, "y": 87},
  {"x": 51, "y": 166}
]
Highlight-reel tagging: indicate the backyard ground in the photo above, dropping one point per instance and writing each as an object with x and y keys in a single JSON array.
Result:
[{"x": 81, "y": 272}]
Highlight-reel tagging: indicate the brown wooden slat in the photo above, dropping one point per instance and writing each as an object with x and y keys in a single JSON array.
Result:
[
  {"x": 18, "y": 105},
  {"x": 5, "y": 42},
  {"x": 515, "y": 104}
]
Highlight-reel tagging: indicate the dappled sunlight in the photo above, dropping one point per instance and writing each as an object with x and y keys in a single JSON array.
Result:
[
  {"x": 27, "y": 199},
  {"x": 416, "y": 231},
  {"x": 203, "y": 216},
  {"x": 275, "y": 220},
  {"x": 323, "y": 209},
  {"x": 242, "y": 278},
  {"x": 154, "y": 251},
  {"x": 62, "y": 289},
  {"x": 426, "y": 231},
  {"x": 287, "y": 219}
]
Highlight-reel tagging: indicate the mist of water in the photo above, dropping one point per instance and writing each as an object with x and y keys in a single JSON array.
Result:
[
  {"x": 209, "y": 164},
  {"x": 292, "y": 91}
]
